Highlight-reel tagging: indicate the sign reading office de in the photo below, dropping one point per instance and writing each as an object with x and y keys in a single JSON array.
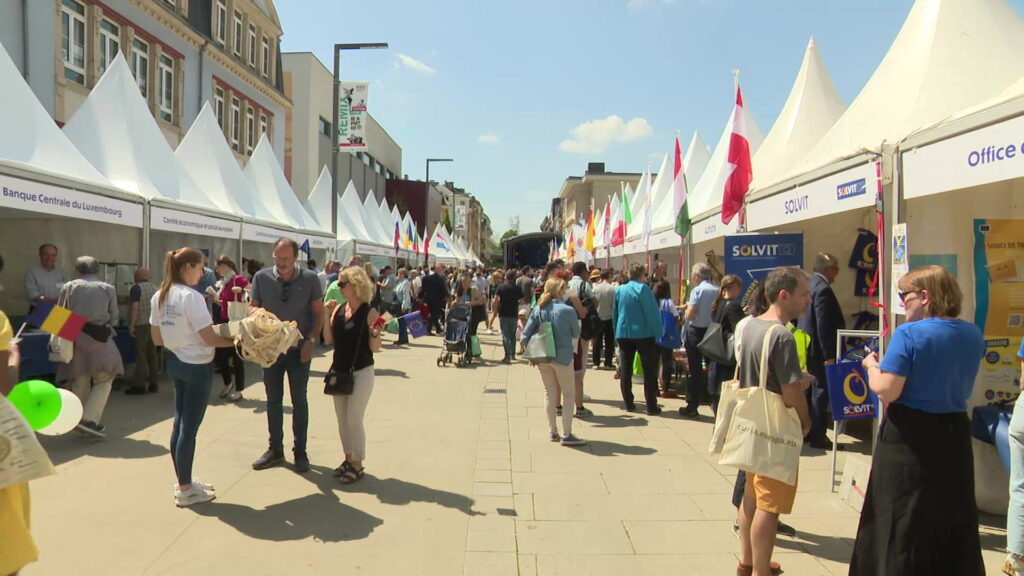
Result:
[
  {"x": 352, "y": 98},
  {"x": 753, "y": 256}
]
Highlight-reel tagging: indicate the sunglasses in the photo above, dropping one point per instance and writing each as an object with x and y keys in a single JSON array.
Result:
[
  {"x": 903, "y": 295},
  {"x": 342, "y": 284}
]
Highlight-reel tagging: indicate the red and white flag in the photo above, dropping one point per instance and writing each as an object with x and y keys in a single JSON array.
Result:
[{"x": 741, "y": 171}]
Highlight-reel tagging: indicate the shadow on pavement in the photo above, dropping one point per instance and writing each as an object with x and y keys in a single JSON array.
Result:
[
  {"x": 616, "y": 421},
  {"x": 322, "y": 516},
  {"x": 605, "y": 448},
  {"x": 390, "y": 372},
  {"x": 70, "y": 446},
  {"x": 825, "y": 547},
  {"x": 400, "y": 493}
]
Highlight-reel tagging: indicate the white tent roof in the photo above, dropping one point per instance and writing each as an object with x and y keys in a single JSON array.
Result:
[
  {"x": 950, "y": 54},
  {"x": 599, "y": 225},
  {"x": 350, "y": 223},
  {"x": 371, "y": 212},
  {"x": 707, "y": 194},
  {"x": 318, "y": 203},
  {"x": 32, "y": 139},
  {"x": 812, "y": 108},
  {"x": 636, "y": 205},
  {"x": 204, "y": 155},
  {"x": 117, "y": 133},
  {"x": 441, "y": 244},
  {"x": 661, "y": 197},
  {"x": 695, "y": 160},
  {"x": 272, "y": 188}
]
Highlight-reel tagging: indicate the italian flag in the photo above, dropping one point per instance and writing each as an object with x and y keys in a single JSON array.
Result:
[
  {"x": 624, "y": 219},
  {"x": 741, "y": 171},
  {"x": 679, "y": 205}
]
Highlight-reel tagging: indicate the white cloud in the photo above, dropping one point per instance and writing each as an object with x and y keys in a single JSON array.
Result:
[
  {"x": 594, "y": 137},
  {"x": 488, "y": 137},
  {"x": 410, "y": 62}
]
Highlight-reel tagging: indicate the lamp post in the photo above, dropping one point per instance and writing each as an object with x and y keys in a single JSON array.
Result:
[
  {"x": 426, "y": 198},
  {"x": 336, "y": 151}
]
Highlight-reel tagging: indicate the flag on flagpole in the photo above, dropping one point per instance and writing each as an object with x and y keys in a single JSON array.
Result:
[
  {"x": 611, "y": 213},
  {"x": 408, "y": 234},
  {"x": 648, "y": 211},
  {"x": 398, "y": 236},
  {"x": 56, "y": 320},
  {"x": 588, "y": 245},
  {"x": 607, "y": 222},
  {"x": 571, "y": 250},
  {"x": 416, "y": 241},
  {"x": 305, "y": 248},
  {"x": 679, "y": 191},
  {"x": 624, "y": 220},
  {"x": 741, "y": 170},
  {"x": 426, "y": 247}
]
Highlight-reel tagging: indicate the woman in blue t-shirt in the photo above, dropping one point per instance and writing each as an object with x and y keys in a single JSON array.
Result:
[{"x": 920, "y": 515}]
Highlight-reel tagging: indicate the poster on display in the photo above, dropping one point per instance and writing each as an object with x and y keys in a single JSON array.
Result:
[
  {"x": 849, "y": 395},
  {"x": 460, "y": 217},
  {"x": 999, "y": 304},
  {"x": 352, "y": 97},
  {"x": 753, "y": 256},
  {"x": 900, "y": 264}
]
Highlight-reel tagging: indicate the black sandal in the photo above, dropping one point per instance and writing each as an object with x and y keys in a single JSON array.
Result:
[
  {"x": 337, "y": 472},
  {"x": 350, "y": 475}
]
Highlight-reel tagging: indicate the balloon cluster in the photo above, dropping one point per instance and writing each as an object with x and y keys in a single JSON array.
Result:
[{"x": 47, "y": 409}]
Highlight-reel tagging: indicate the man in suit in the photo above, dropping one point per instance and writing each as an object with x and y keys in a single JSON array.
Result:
[
  {"x": 821, "y": 321},
  {"x": 435, "y": 292}
]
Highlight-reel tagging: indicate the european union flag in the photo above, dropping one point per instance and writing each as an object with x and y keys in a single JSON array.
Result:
[
  {"x": 416, "y": 324},
  {"x": 305, "y": 247}
]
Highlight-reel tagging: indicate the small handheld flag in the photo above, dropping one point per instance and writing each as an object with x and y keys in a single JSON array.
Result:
[
  {"x": 56, "y": 320},
  {"x": 305, "y": 247}
]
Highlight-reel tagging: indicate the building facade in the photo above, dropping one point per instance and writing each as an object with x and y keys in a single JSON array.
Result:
[
  {"x": 580, "y": 194},
  {"x": 421, "y": 202},
  {"x": 183, "y": 53},
  {"x": 469, "y": 221},
  {"x": 309, "y": 144}
]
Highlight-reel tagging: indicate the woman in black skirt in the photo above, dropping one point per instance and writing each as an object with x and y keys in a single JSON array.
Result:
[{"x": 920, "y": 517}]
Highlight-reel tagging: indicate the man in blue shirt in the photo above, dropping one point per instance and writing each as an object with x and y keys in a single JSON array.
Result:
[
  {"x": 637, "y": 324},
  {"x": 698, "y": 318}
]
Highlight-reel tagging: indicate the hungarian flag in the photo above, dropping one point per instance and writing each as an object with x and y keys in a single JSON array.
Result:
[
  {"x": 588, "y": 244},
  {"x": 679, "y": 205},
  {"x": 623, "y": 222},
  {"x": 741, "y": 171}
]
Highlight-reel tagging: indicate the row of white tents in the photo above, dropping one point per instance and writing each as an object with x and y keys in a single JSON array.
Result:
[{"x": 108, "y": 184}]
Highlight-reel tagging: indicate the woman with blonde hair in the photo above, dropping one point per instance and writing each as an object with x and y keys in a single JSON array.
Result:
[
  {"x": 727, "y": 311},
  {"x": 181, "y": 323},
  {"x": 557, "y": 374},
  {"x": 355, "y": 333},
  {"x": 920, "y": 514}
]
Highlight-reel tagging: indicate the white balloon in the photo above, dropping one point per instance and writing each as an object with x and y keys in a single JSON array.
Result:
[{"x": 69, "y": 417}]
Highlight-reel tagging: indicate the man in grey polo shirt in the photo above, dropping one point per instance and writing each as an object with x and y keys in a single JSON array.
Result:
[
  {"x": 43, "y": 283},
  {"x": 698, "y": 318},
  {"x": 291, "y": 293}
]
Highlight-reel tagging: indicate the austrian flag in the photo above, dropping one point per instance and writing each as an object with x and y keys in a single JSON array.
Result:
[{"x": 741, "y": 171}]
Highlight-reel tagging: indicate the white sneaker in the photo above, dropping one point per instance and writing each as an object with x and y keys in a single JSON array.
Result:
[
  {"x": 196, "y": 482},
  {"x": 194, "y": 495},
  {"x": 1013, "y": 565},
  {"x": 234, "y": 397}
]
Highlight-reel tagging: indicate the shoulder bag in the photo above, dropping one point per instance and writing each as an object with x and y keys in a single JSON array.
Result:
[
  {"x": 61, "y": 350},
  {"x": 343, "y": 382},
  {"x": 732, "y": 393},
  {"x": 718, "y": 345},
  {"x": 670, "y": 334},
  {"x": 540, "y": 349},
  {"x": 764, "y": 435}
]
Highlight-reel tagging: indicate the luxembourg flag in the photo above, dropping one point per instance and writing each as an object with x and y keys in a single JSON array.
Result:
[{"x": 741, "y": 171}]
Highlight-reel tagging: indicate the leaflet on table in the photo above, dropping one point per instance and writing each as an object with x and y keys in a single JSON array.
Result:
[
  {"x": 22, "y": 459},
  {"x": 999, "y": 305}
]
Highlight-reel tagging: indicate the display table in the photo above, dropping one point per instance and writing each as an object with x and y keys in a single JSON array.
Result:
[
  {"x": 35, "y": 356},
  {"x": 991, "y": 424}
]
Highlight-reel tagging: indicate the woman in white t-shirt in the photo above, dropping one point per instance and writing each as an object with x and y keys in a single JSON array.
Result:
[{"x": 182, "y": 324}]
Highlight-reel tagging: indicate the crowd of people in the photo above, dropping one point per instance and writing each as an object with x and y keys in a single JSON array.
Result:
[{"x": 919, "y": 514}]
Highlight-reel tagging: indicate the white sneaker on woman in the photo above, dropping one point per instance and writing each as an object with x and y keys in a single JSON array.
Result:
[
  {"x": 196, "y": 482},
  {"x": 194, "y": 495}
]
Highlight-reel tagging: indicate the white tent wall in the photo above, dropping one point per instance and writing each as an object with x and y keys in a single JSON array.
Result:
[{"x": 162, "y": 242}]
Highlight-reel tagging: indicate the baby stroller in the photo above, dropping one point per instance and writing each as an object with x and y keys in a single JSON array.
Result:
[{"x": 456, "y": 337}]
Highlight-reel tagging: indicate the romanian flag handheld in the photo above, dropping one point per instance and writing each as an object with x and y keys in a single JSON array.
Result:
[{"x": 56, "y": 320}]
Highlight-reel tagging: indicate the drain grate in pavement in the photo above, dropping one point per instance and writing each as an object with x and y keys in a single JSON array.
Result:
[{"x": 494, "y": 390}]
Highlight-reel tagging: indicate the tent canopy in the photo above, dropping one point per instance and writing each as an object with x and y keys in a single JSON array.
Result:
[
  {"x": 272, "y": 188},
  {"x": 318, "y": 203}
]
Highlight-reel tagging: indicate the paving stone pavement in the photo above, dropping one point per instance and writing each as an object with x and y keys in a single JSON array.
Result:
[{"x": 461, "y": 479}]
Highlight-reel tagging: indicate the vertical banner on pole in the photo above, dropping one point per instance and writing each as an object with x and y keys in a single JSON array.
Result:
[{"x": 352, "y": 98}]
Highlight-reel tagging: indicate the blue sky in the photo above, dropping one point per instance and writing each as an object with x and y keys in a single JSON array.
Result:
[{"x": 501, "y": 85}]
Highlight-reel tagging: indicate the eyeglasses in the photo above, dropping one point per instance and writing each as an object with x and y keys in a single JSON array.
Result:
[{"x": 903, "y": 295}]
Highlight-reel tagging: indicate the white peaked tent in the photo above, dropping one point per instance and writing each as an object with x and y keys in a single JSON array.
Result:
[
  {"x": 408, "y": 226},
  {"x": 441, "y": 246},
  {"x": 204, "y": 155},
  {"x": 53, "y": 194},
  {"x": 695, "y": 160},
  {"x": 273, "y": 190},
  {"x": 706, "y": 195},
  {"x": 637, "y": 207},
  {"x": 115, "y": 130},
  {"x": 318, "y": 203},
  {"x": 372, "y": 214},
  {"x": 660, "y": 201},
  {"x": 351, "y": 228}
]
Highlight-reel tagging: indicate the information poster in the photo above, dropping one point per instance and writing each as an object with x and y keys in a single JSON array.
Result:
[
  {"x": 999, "y": 305},
  {"x": 352, "y": 99},
  {"x": 900, "y": 264},
  {"x": 753, "y": 256}
]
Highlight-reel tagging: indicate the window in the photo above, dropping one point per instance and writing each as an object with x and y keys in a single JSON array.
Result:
[
  {"x": 236, "y": 123},
  {"x": 221, "y": 25},
  {"x": 236, "y": 38},
  {"x": 140, "y": 65},
  {"x": 325, "y": 127},
  {"x": 250, "y": 131},
  {"x": 166, "y": 88},
  {"x": 252, "y": 46},
  {"x": 264, "y": 126},
  {"x": 73, "y": 40},
  {"x": 109, "y": 43},
  {"x": 266, "y": 57},
  {"x": 218, "y": 106}
]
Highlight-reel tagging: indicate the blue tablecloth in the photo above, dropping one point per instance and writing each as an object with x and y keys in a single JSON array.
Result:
[
  {"x": 34, "y": 356},
  {"x": 992, "y": 424}
]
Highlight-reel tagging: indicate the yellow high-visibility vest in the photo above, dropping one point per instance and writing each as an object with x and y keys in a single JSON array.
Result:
[{"x": 803, "y": 344}]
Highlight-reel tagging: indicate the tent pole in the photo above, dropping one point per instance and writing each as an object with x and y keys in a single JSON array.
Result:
[{"x": 145, "y": 235}]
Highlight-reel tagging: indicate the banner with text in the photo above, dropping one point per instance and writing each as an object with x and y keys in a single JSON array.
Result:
[
  {"x": 753, "y": 256},
  {"x": 351, "y": 121},
  {"x": 189, "y": 223},
  {"x": 32, "y": 196},
  {"x": 999, "y": 304},
  {"x": 257, "y": 233},
  {"x": 847, "y": 190}
]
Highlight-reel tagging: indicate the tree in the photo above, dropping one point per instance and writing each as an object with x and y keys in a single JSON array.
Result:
[
  {"x": 446, "y": 221},
  {"x": 513, "y": 230}
]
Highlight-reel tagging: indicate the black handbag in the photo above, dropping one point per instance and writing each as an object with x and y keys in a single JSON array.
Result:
[
  {"x": 343, "y": 383},
  {"x": 718, "y": 346}
]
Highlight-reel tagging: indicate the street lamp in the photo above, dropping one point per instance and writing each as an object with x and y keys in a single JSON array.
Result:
[
  {"x": 336, "y": 152},
  {"x": 427, "y": 197}
]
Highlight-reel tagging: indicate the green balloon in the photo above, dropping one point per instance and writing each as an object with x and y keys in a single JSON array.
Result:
[{"x": 38, "y": 401}]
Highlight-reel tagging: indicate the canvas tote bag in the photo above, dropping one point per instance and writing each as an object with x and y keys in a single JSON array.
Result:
[
  {"x": 764, "y": 435},
  {"x": 731, "y": 395},
  {"x": 541, "y": 347}
]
